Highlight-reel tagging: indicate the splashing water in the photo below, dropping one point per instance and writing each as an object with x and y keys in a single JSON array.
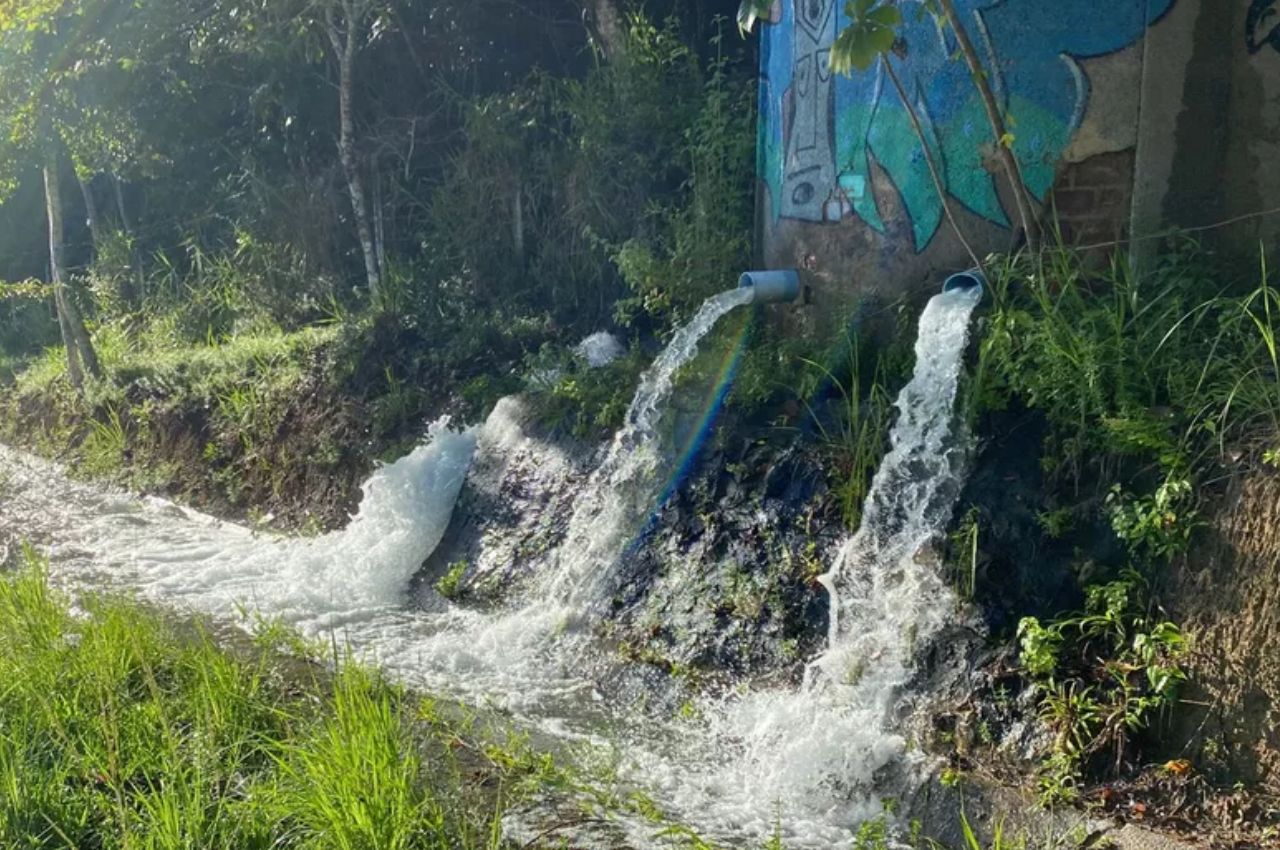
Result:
[
  {"x": 817, "y": 757},
  {"x": 886, "y": 596},
  {"x": 813, "y": 758},
  {"x": 340, "y": 577},
  {"x": 623, "y": 487}
]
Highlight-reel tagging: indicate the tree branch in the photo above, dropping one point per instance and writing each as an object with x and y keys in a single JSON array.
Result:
[
  {"x": 1026, "y": 209},
  {"x": 938, "y": 183}
]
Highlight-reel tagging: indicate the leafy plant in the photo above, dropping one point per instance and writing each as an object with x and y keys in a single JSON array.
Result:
[
  {"x": 588, "y": 403},
  {"x": 104, "y": 447},
  {"x": 871, "y": 34},
  {"x": 1157, "y": 526},
  {"x": 450, "y": 584},
  {"x": 1145, "y": 382},
  {"x": 963, "y": 553},
  {"x": 697, "y": 242},
  {"x": 1102, "y": 674}
]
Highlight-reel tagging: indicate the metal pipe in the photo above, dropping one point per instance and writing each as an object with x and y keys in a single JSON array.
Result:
[
  {"x": 772, "y": 287},
  {"x": 966, "y": 280}
]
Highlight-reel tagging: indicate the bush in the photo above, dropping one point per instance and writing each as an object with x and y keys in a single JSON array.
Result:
[
  {"x": 1168, "y": 366},
  {"x": 567, "y": 192},
  {"x": 1102, "y": 675}
]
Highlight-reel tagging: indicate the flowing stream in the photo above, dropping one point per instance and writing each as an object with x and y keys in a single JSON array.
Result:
[
  {"x": 813, "y": 759},
  {"x": 623, "y": 487}
]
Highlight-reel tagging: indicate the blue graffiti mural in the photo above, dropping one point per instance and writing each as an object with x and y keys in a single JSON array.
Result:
[
  {"x": 820, "y": 132},
  {"x": 1262, "y": 25}
]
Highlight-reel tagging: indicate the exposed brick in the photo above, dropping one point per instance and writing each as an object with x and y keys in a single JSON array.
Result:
[
  {"x": 1113, "y": 169},
  {"x": 1096, "y": 233},
  {"x": 1073, "y": 202},
  {"x": 1114, "y": 198}
]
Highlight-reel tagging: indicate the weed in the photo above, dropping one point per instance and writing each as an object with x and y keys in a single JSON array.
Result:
[
  {"x": 1102, "y": 675},
  {"x": 588, "y": 403},
  {"x": 872, "y": 835},
  {"x": 1158, "y": 526},
  {"x": 1135, "y": 373},
  {"x": 122, "y": 731},
  {"x": 396, "y": 406},
  {"x": 103, "y": 450},
  {"x": 962, "y": 558},
  {"x": 450, "y": 584},
  {"x": 857, "y": 440}
]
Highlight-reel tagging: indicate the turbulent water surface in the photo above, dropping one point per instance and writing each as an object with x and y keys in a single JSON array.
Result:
[{"x": 809, "y": 758}]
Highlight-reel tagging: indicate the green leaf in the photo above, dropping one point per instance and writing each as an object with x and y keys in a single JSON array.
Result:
[
  {"x": 749, "y": 11},
  {"x": 886, "y": 16},
  {"x": 881, "y": 40},
  {"x": 852, "y": 51}
]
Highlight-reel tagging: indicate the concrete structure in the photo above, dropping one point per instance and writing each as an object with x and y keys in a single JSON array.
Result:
[{"x": 1127, "y": 116}]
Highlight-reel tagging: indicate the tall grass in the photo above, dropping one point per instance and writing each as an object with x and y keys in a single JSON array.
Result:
[
  {"x": 1173, "y": 365},
  {"x": 857, "y": 438},
  {"x": 121, "y": 730}
]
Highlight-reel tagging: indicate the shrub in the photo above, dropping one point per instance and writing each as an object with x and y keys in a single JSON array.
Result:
[{"x": 1102, "y": 675}]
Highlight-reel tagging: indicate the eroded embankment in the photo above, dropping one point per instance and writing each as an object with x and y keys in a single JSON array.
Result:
[
  {"x": 1227, "y": 590},
  {"x": 281, "y": 427}
]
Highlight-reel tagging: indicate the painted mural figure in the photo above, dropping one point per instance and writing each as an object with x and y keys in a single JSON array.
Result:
[
  {"x": 810, "y": 164},
  {"x": 821, "y": 136},
  {"x": 1262, "y": 27}
]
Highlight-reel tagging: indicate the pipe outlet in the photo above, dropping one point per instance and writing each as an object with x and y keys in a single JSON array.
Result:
[
  {"x": 972, "y": 279},
  {"x": 772, "y": 287}
]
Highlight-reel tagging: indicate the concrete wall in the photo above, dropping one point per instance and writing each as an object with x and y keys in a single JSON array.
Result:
[
  {"x": 1127, "y": 116},
  {"x": 1209, "y": 135}
]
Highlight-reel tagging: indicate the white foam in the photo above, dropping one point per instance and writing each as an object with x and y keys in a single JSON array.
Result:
[
  {"x": 600, "y": 349},
  {"x": 180, "y": 556},
  {"x": 808, "y": 758}
]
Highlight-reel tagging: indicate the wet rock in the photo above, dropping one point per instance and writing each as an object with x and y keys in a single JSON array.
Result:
[{"x": 514, "y": 508}]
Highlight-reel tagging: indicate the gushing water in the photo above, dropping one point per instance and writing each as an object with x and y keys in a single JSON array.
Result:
[
  {"x": 179, "y": 556},
  {"x": 820, "y": 754},
  {"x": 625, "y": 484},
  {"x": 813, "y": 758},
  {"x": 886, "y": 593}
]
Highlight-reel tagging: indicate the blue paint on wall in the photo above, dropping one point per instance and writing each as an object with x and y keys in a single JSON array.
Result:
[{"x": 823, "y": 135}]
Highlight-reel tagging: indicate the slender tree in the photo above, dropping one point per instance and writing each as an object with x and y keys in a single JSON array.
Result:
[
  {"x": 869, "y": 38},
  {"x": 35, "y": 60},
  {"x": 346, "y": 24},
  {"x": 81, "y": 358},
  {"x": 1003, "y": 141}
]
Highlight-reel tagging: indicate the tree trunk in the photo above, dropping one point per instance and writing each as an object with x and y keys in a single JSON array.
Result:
[
  {"x": 74, "y": 371},
  {"x": 379, "y": 223},
  {"x": 517, "y": 224},
  {"x": 91, "y": 213},
  {"x": 1026, "y": 209},
  {"x": 344, "y": 47},
  {"x": 133, "y": 294},
  {"x": 608, "y": 26},
  {"x": 75, "y": 338}
]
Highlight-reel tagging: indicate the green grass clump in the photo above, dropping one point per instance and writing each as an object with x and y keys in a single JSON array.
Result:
[
  {"x": 1170, "y": 367},
  {"x": 119, "y": 729}
]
